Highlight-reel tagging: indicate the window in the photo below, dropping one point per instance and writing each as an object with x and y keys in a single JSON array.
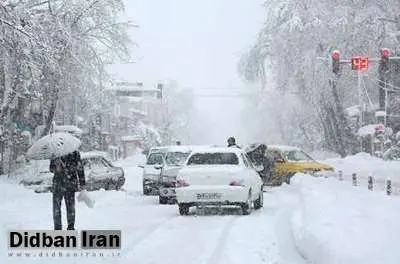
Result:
[
  {"x": 97, "y": 162},
  {"x": 86, "y": 164},
  {"x": 176, "y": 158},
  {"x": 213, "y": 159},
  {"x": 297, "y": 155},
  {"x": 106, "y": 163},
  {"x": 274, "y": 155},
  {"x": 155, "y": 159}
]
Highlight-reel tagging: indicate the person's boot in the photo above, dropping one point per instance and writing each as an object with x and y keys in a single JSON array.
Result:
[{"x": 70, "y": 227}]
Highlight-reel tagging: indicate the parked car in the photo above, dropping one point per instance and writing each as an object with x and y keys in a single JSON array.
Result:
[
  {"x": 158, "y": 172},
  {"x": 147, "y": 152},
  {"x": 99, "y": 173},
  {"x": 290, "y": 160},
  {"x": 152, "y": 173},
  {"x": 219, "y": 177},
  {"x": 175, "y": 158}
]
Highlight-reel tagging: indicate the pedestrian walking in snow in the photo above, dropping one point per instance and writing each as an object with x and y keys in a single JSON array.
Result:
[{"x": 69, "y": 177}]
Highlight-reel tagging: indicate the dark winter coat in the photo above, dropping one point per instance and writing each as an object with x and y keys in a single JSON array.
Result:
[
  {"x": 68, "y": 172},
  {"x": 259, "y": 158}
]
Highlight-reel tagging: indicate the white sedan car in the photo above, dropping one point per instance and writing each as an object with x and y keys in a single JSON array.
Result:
[{"x": 218, "y": 177}]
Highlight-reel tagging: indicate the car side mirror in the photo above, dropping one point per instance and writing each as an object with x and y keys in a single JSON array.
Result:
[{"x": 141, "y": 166}]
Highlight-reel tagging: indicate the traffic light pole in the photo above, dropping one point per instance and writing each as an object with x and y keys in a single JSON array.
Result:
[
  {"x": 360, "y": 100},
  {"x": 360, "y": 64},
  {"x": 386, "y": 104}
]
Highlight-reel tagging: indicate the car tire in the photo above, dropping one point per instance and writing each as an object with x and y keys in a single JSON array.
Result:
[
  {"x": 246, "y": 207},
  {"x": 119, "y": 184},
  {"x": 163, "y": 200},
  {"x": 259, "y": 203},
  {"x": 288, "y": 177},
  {"x": 183, "y": 209}
]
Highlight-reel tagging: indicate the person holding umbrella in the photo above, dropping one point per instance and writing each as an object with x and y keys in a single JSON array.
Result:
[
  {"x": 69, "y": 177},
  {"x": 65, "y": 162}
]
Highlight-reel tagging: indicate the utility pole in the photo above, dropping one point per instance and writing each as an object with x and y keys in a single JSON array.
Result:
[
  {"x": 361, "y": 64},
  {"x": 340, "y": 121},
  {"x": 360, "y": 99},
  {"x": 383, "y": 80}
]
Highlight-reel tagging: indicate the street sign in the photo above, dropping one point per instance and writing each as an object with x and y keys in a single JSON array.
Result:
[{"x": 359, "y": 63}]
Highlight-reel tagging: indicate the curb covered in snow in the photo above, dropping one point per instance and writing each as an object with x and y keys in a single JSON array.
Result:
[{"x": 359, "y": 227}]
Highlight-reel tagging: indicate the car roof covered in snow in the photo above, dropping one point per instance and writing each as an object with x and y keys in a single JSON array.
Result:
[
  {"x": 177, "y": 148},
  {"x": 181, "y": 148},
  {"x": 208, "y": 149},
  {"x": 93, "y": 154},
  {"x": 283, "y": 147}
]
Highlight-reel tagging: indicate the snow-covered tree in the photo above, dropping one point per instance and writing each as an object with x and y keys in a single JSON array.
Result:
[
  {"x": 53, "y": 55},
  {"x": 298, "y": 32}
]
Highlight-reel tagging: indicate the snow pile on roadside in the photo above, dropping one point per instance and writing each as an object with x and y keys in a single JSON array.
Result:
[
  {"x": 366, "y": 165},
  {"x": 323, "y": 155},
  {"x": 339, "y": 223}
]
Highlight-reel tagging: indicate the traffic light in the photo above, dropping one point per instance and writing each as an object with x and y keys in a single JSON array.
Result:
[
  {"x": 335, "y": 61},
  {"x": 383, "y": 72},
  {"x": 384, "y": 63},
  {"x": 160, "y": 91}
]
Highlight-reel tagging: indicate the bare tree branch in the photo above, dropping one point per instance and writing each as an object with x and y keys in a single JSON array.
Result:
[{"x": 15, "y": 27}]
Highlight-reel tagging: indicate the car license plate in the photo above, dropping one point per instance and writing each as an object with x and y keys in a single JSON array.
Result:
[{"x": 208, "y": 196}]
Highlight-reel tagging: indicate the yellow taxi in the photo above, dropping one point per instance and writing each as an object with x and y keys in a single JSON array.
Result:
[{"x": 290, "y": 160}]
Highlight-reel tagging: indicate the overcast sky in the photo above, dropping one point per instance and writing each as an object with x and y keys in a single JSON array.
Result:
[{"x": 198, "y": 44}]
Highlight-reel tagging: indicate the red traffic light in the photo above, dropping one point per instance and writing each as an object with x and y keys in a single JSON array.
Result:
[
  {"x": 385, "y": 53},
  {"x": 335, "y": 55}
]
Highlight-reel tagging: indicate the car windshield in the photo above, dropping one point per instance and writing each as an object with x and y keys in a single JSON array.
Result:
[
  {"x": 155, "y": 159},
  {"x": 176, "y": 158},
  {"x": 213, "y": 159},
  {"x": 297, "y": 155},
  {"x": 95, "y": 162}
]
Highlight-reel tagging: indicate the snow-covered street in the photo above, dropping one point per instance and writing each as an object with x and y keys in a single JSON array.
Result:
[
  {"x": 154, "y": 233},
  {"x": 199, "y": 132},
  {"x": 313, "y": 220}
]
